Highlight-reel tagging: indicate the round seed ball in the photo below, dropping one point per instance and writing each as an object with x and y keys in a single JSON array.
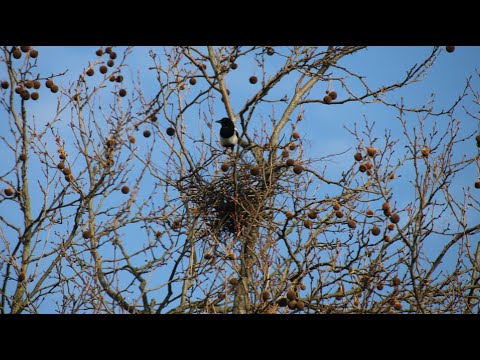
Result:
[
  {"x": 54, "y": 88},
  {"x": 336, "y": 206},
  {"x": 371, "y": 151},
  {"x": 125, "y": 189},
  {"x": 312, "y": 214},
  {"x": 376, "y": 230},
  {"x": 395, "y": 218},
  {"x": 192, "y": 81},
  {"x": 25, "y": 49},
  {"x": 289, "y": 215},
  {"x": 108, "y": 49},
  {"x": 358, "y": 156},
  {"x": 450, "y": 49},
  {"x": 253, "y": 79},
  {"x": 290, "y": 162},
  {"x": 291, "y": 294},
  {"x": 87, "y": 234},
  {"x": 255, "y": 171},
  {"x": 5, "y": 85},
  {"x": 265, "y": 296},
  {"x": 36, "y": 84},
  {"x": 35, "y": 95},
  {"x": 327, "y": 99},
  {"x": 99, "y": 52},
  {"x": 90, "y": 72},
  {"x": 233, "y": 281},
  {"x": 147, "y": 133},
  {"x": 110, "y": 63},
  {"x": 396, "y": 281},
  {"x": 33, "y": 53},
  {"x": 352, "y": 224},
  {"x": 300, "y": 305},
  {"x": 25, "y": 95},
  {"x": 333, "y": 95},
  {"x": 119, "y": 78},
  {"x": 103, "y": 69},
  {"x": 170, "y": 131},
  {"x": 298, "y": 169},
  {"x": 113, "y": 55},
  {"x": 122, "y": 92},
  {"x": 17, "y": 53},
  {"x": 339, "y": 214},
  {"x": 308, "y": 224},
  {"x": 49, "y": 83},
  {"x": 9, "y": 191},
  {"x": 225, "y": 167},
  {"x": 425, "y": 151},
  {"x": 292, "y": 304}
]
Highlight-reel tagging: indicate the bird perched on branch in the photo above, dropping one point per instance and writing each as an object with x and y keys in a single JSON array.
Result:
[{"x": 229, "y": 136}]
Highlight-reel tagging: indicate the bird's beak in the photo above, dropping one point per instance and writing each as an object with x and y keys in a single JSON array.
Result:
[{"x": 219, "y": 121}]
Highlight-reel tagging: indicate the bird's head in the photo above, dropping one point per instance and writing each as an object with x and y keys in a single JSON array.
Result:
[{"x": 225, "y": 121}]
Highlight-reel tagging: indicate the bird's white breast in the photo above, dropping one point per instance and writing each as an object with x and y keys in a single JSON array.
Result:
[{"x": 232, "y": 140}]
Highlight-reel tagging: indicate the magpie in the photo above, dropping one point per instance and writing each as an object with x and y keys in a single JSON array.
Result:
[{"x": 229, "y": 136}]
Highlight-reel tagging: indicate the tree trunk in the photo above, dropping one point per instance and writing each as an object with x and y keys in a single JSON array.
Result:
[{"x": 241, "y": 304}]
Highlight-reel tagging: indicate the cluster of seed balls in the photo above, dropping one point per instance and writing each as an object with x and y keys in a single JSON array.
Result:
[
  {"x": 292, "y": 300},
  {"x": 331, "y": 95},
  {"x": 61, "y": 165},
  {"x": 367, "y": 166},
  {"x": 230, "y": 256},
  {"x": 104, "y": 68},
  {"x": 23, "y": 86},
  {"x": 297, "y": 168},
  {"x": 233, "y": 65},
  {"x": 26, "y": 84},
  {"x": 153, "y": 118}
]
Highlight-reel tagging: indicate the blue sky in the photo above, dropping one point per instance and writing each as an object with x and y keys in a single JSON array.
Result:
[{"x": 323, "y": 126}]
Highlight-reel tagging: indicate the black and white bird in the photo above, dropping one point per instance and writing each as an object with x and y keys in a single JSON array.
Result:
[{"x": 229, "y": 136}]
